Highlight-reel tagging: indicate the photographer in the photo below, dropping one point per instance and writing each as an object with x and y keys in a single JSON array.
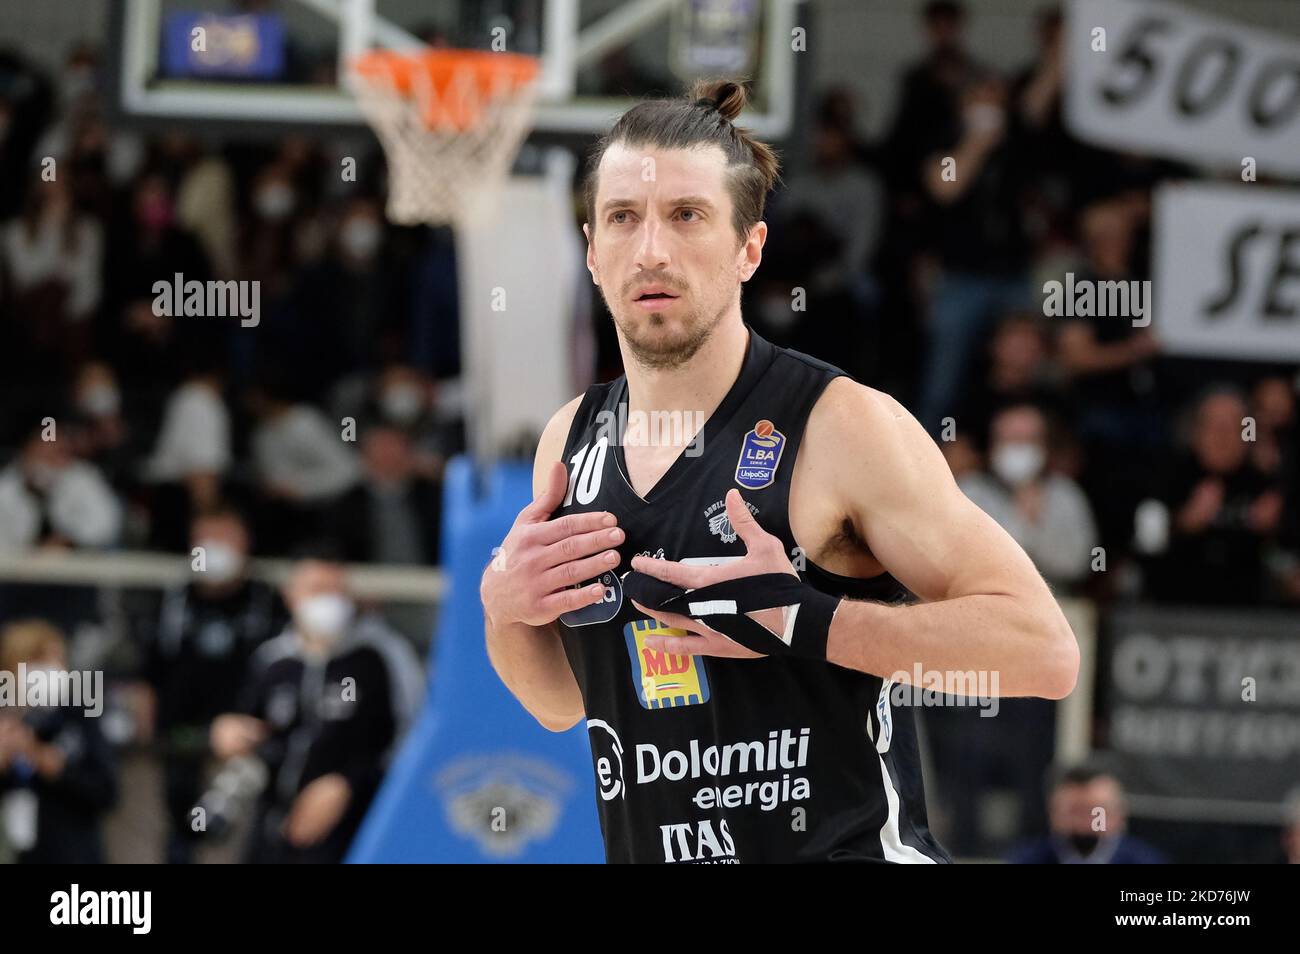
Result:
[
  {"x": 206, "y": 633},
  {"x": 322, "y": 708}
]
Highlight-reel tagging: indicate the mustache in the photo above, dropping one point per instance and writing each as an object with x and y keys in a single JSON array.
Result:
[{"x": 664, "y": 282}]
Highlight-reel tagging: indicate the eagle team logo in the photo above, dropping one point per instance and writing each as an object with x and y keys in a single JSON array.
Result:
[
  {"x": 760, "y": 455},
  {"x": 663, "y": 679}
]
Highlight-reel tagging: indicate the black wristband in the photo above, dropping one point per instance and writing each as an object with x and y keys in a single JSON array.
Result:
[{"x": 723, "y": 607}]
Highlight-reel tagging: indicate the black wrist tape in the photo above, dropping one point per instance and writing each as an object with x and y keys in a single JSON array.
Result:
[{"x": 722, "y": 606}]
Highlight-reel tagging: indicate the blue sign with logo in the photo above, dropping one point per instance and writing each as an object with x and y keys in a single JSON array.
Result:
[{"x": 760, "y": 455}]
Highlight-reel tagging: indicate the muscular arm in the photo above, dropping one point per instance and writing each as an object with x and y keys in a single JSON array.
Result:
[
  {"x": 530, "y": 658},
  {"x": 985, "y": 606}
]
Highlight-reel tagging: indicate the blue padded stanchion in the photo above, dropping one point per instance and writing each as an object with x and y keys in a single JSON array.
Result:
[{"x": 478, "y": 779}]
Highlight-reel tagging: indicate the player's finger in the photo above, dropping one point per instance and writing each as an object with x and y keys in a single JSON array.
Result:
[
  {"x": 580, "y": 545},
  {"x": 573, "y": 524},
  {"x": 576, "y": 571},
  {"x": 743, "y": 521},
  {"x": 544, "y": 504},
  {"x": 688, "y": 577},
  {"x": 566, "y": 601},
  {"x": 671, "y": 620}
]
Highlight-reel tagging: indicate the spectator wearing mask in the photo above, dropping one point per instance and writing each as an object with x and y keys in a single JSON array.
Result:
[
  {"x": 1222, "y": 512},
  {"x": 102, "y": 435},
  {"x": 1045, "y": 512},
  {"x": 206, "y": 632},
  {"x": 323, "y": 707},
  {"x": 150, "y": 350},
  {"x": 344, "y": 311},
  {"x": 981, "y": 248},
  {"x": 1089, "y": 821},
  {"x": 50, "y": 498},
  {"x": 57, "y": 773},
  {"x": 302, "y": 465},
  {"x": 393, "y": 515}
]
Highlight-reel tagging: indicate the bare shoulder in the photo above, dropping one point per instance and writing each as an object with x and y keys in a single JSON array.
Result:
[
  {"x": 864, "y": 439},
  {"x": 551, "y": 444}
]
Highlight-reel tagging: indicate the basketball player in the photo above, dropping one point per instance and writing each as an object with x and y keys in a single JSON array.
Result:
[{"x": 726, "y": 610}]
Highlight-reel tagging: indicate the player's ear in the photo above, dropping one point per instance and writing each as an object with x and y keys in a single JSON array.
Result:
[
  {"x": 752, "y": 250},
  {"x": 591, "y": 255}
]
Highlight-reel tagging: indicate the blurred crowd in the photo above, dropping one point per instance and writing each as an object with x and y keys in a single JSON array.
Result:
[{"x": 321, "y": 433}]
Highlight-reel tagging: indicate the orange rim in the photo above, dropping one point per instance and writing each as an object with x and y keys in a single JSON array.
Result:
[{"x": 489, "y": 75}]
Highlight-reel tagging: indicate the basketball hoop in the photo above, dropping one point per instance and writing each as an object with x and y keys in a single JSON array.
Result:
[{"x": 450, "y": 123}]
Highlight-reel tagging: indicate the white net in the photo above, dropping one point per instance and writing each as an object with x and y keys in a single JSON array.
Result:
[{"x": 450, "y": 142}]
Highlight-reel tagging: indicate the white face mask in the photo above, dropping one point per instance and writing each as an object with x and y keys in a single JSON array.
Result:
[
  {"x": 274, "y": 202},
  {"x": 325, "y": 615},
  {"x": 361, "y": 237},
  {"x": 402, "y": 403},
  {"x": 1018, "y": 463},
  {"x": 102, "y": 400},
  {"x": 222, "y": 562}
]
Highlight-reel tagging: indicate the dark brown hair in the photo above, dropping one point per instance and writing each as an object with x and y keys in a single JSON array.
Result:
[{"x": 703, "y": 117}]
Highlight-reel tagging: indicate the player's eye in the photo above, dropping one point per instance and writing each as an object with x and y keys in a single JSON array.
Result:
[
  {"x": 694, "y": 213},
  {"x": 619, "y": 217}
]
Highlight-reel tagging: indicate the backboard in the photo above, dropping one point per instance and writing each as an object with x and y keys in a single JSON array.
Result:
[{"x": 278, "y": 61}]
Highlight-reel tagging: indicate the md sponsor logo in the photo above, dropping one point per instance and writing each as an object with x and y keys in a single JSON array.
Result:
[{"x": 663, "y": 680}]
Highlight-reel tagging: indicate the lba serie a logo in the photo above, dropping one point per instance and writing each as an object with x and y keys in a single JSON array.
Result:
[
  {"x": 663, "y": 679},
  {"x": 760, "y": 456}
]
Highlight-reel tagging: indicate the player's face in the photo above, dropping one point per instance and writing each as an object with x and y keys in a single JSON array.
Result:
[{"x": 663, "y": 250}]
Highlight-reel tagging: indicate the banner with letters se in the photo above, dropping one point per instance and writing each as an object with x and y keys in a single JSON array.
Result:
[
  {"x": 1175, "y": 83},
  {"x": 1226, "y": 270},
  {"x": 1202, "y": 711}
]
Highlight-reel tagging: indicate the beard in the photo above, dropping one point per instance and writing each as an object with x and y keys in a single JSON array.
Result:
[{"x": 657, "y": 341}]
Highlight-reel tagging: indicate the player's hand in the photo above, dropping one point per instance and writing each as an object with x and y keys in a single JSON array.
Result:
[
  {"x": 764, "y": 553},
  {"x": 533, "y": 575}
]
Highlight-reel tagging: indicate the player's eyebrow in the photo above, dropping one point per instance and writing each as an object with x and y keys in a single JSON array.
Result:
[{"x": 696, "y": 200}]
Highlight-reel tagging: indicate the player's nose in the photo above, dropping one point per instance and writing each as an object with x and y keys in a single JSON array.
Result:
[{"x": 652, "y": 251}]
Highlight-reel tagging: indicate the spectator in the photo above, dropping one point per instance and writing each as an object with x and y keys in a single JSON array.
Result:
[
  {"x": 1020, "y": 371},
  {"x": 1045, "y": 512},
  {"x": 57, "y": 773},
  {"x": 302, "y": 466},
  {"x": 1291, "y": 832},
  {"x": 1110, "y": 364},
  {"x": 974, "y": 181},
  {"x": 1089, "y": 821},
  {"x": 50, "y": 498},
  {"x": 197, "y": 657},
  {"x": 323, "y": 706},
  {"x": 393, "y": 516},
  {"x": 102, "y": 433},
  {"x": 1273, "y": 405},
  {"x": 1223, "y": 512},
  {"x": 53, "y": 256},
  {"x": 190, "y": 458}
]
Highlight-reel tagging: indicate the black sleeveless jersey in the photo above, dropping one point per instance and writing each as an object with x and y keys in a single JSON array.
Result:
[{"x": 705, "y": 759}]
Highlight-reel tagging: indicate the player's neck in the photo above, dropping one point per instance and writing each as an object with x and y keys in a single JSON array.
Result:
[{"x": 699, "y": 384}]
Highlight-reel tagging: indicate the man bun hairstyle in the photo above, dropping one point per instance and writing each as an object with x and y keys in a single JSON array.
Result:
[{"x": 703, "y": 117}]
